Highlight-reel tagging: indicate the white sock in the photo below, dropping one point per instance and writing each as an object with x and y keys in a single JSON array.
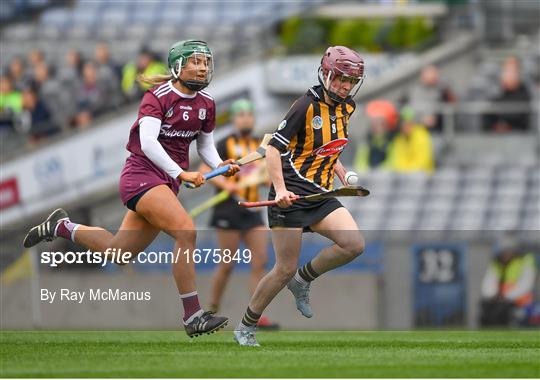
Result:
[
  {"x": 242, "y": 327},
  {"x": 299, "y": 279},
  {"x": 193, "y": 316}
]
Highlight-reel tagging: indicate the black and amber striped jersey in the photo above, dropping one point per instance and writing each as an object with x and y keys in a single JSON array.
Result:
[
  {"x": 236, "y": 146},
  {"x": 311, "y": 138}
]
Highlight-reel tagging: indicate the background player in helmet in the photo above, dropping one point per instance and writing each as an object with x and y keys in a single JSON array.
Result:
[
  {"x": 302, "y": 158},
  {"x": 171, "y": 115},
  {"x": 233, "y": 223}
]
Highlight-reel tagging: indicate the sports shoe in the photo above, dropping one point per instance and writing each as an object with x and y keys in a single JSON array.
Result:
[
  {"x": 301, "y": 295},
  {"x": 212, "y": 307},
  {"x": 45, "y": 230},
  {"x": 266, "y": 324},
  {"x": 206, "y": 323},
  {"x": 245, "y": 336}
]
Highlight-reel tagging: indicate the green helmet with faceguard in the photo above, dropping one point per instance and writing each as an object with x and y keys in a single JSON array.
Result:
[{"x": 179, "y": 54}]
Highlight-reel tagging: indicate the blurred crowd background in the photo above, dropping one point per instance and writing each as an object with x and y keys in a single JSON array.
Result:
[
  {"x": 66, "y": 63},
  {"x": 446, "y": 133}
]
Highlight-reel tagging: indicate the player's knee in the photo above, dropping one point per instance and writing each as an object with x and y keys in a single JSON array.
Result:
[
  {"x": 184, "y": 233},
  {"x": 353, "y": 248},
  {"x": 226, "y": 268},
  {"x": 258, "y": 268},
  {"x": 259, "y": 264},
  {"x": 285, "y": 272}
]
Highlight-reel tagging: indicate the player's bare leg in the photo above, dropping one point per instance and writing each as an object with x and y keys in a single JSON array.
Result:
[
  {"x": 227, "y": 239},
  {"x": 287, "y": 243},
  {"x": 163, "y": 210},
  {"x": 256, "y": 240},
  {"x": 340, "y": 227},
  {"x": 133, "y": 236}
]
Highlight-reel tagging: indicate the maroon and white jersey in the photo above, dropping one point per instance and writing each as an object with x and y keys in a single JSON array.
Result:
[{"x": 182, "y": 117}]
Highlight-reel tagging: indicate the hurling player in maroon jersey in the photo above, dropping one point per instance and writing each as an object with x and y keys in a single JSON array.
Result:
[{"x": 171, "y": 115}]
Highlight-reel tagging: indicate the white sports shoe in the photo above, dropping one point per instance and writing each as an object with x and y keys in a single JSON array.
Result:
[
  {"x": 301, "y": 295},
  {"x": 245, "y": 336}
]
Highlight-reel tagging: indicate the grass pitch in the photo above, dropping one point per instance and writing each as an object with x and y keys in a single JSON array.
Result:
[{"x": 283, "y": 354}]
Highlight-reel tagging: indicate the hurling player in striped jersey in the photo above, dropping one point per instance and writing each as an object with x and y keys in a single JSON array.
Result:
[{"x": 302, "y": 158}]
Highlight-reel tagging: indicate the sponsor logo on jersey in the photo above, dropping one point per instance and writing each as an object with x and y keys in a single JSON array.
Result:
[
  {"x": 165, "y": 131},
  {"x": 185, "y": 108},
  {"x": 202, "y": 114},
  {"x": 317, "y": 122},
  {"x": 169, "y": 112},
  {"x": 282, "y": 125},
  {"x": 330, "y": 148}
]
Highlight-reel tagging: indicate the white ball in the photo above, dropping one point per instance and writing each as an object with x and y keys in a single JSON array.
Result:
[{"x": 351, "y": 178}]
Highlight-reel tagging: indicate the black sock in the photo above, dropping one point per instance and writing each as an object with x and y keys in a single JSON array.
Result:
[
  {"x": 307, "y": 273},
  {"x": 250, "y": 318}
]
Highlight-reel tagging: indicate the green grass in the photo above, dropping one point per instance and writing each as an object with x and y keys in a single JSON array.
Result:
[{"x": 283, "y": 354}]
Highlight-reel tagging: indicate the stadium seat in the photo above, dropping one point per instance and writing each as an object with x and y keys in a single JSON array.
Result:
[
  {"x": 136, "y": 32},
  {"x": 17, "y": 33},
  {"x": 79, "y": 32},
  {"x": 109, "y": 32},
  {"x": 48, "y": 34},
  {"x": 433, "y": 219},
  {"x": 146, "y": 13},
  {"x": 57, "y": 17},
  {"x": 114, "y": 16},
  {"x": 165, "y": 31}
]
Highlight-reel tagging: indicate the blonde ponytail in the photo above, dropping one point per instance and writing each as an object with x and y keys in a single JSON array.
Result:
[{"x": 152, "y": 80}]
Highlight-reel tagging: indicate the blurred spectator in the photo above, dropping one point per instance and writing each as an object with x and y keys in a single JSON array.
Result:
[
  {"x": 108, "y": 75},
  {"x": 35, "y": 57},
  {"x": 17, "y": 73},
  {"x": 51, "y": 92},
  {"x": 40, "y": 75},
  {"x": 513, "y": 91},
  {"x": 511, "y": 63},
  {"x": 383, "y": 118},
  {"x": 146, "y": 64},
  {"x": 36, "y": 119},
  {"x": 411, "y": 149},
  {"x": 426, "y": 98},
  {"x": 507, "y": 287},
  {"x": 102, "y": 55},
  {"x": 70, "y": 73},
  {"x": 91, "y": 96},
  {"x": 10, "y": 103}
]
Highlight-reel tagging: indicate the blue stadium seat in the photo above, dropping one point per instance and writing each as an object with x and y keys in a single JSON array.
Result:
[
  {"x": 58, "y": 17},
  {"x": 86, "y": 17},
  {"x": 115, "y": 16},
  {"x": 146, "y": 13}
]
